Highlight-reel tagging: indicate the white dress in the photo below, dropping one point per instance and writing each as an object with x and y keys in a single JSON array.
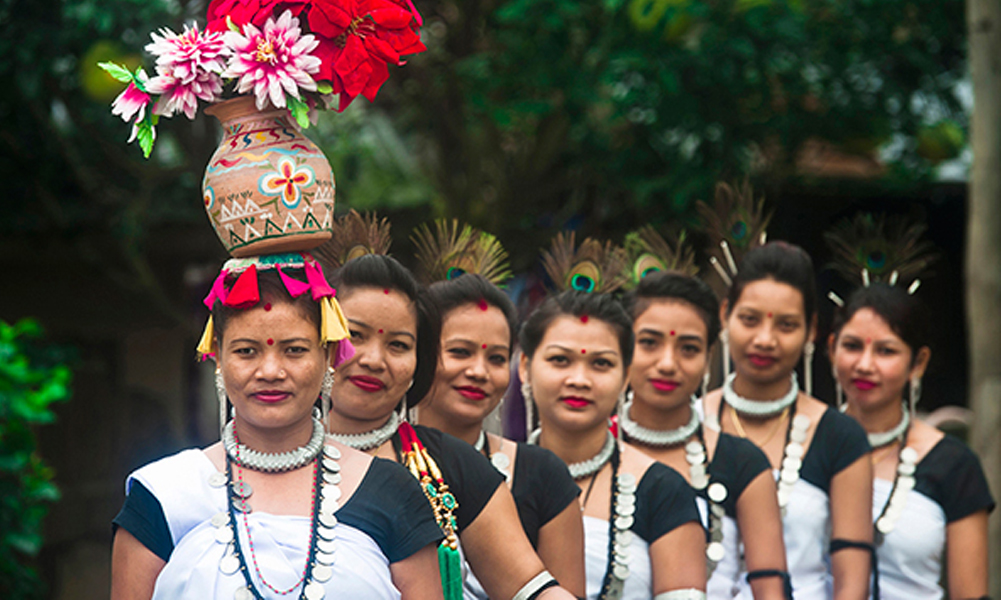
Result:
[
  {"x": 664, "y": 501},
  {"x": 949, "y": 485},
  {"x": 361, "y": 570}
]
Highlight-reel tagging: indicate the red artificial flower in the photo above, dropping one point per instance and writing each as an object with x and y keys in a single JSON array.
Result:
[
  {"x": 367, "y": 35},
  {"x": 255, "y": 12}
]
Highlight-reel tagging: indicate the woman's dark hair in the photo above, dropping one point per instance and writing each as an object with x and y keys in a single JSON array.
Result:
[
  {"x": 603, "y": 307},
  {"x": 385, "y": 273},
  {"x": 783, "y": 262},
  {"x": 272, "y": 291},
  {"x": 905, "y": 314},
  {"x": 666, "y": 285},
  {"x": 473, "y": 289}
]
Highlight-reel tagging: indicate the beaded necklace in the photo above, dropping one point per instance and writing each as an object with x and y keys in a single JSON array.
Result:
[
  {"x": 903, "y": 483},
  {"x": 498, "y": 459},
  {"x": 322, "y": 546},
  {"x": 582, "y": 469},
  {"x": 620, "y": 538},
  {"x": 370, "y": 439},
  {"x": 698, "y": 464}
]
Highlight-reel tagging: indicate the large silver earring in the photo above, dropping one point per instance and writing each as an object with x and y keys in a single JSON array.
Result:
[
  {"x": 220, "y": 390},
  {"x": 620, "y": 406},
  {"x": 724, "y": 339},
  {"x": 326, "y": 389},
  {"x": 839, "y": 392},
  {"x": 808, "y": 351},
  {"x": 915, "y": 395},
  {"x": 526, "y": 393}
]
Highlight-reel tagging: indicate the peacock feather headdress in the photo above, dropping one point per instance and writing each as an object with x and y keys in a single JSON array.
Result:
[
  {"x": 354, "y": 235},
  {"x": 735, "y": 223},
  {"x": 872, "y": 247},
  {"x": 448, "y": 250},
  {"x": 649, "y": 252},
  {"x": 592, "y": 267}
]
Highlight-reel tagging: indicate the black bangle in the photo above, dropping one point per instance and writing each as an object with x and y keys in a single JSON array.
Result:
[
  {"x": 786, "y": 579},
  {"x": 841, "y": 544},
  {"x": 549, "y": 584}
]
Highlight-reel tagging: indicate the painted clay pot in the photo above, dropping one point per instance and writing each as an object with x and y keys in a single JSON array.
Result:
[{"x": 268, "y": 188}]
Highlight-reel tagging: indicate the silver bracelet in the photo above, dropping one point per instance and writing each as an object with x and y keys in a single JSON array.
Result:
[
  {"x": 534, "y": 586},
  {"x": 686, "y": 594}
]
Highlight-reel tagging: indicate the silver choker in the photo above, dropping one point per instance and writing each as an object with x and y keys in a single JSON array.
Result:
[
  {"x": 759, "y": 408},
  {"x": 272, "y": 462},
  {"x": 656, "y": 437},
  {"x": 370, "y": 439},
  {"x": 585, "y": 468},
  {"x": 882, "y": 438}
]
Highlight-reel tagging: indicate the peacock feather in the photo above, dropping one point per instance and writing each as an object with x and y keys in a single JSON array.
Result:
[
  {"x": 735, "y": 218},
  {"x": 354, "y": 235},
  {"x": 649, "y": 252},
  {"x": 889, "y": 249},
  {"x": 447, "y": 251},
  {"x": 593, "y": 267}
]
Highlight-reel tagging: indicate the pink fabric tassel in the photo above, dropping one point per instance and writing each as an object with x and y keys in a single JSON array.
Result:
[
  {"x": 345, "y": 352},
  {"x": 244, "y": 292},
  {"x": 295, "y": 287},
  {"x": 218, "y": 290},
  {"x": 317, "y": 282}
]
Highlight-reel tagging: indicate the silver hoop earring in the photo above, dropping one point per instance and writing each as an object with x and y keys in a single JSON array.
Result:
[
  {"x": 808, "y": 351},
  {"x": 326, "y": 389},
  {"x": 526, "y": 394},
  {"x": 915, "y": 395},
  {"x": 220, "y": 390}
]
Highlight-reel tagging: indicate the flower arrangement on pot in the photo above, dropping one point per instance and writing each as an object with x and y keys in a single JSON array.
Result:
[{"x": 266, "y": 67}]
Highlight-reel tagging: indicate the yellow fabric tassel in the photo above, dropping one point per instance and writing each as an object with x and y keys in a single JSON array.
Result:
[
  {"x": 207, "y": 344},
  {"x": 333, "y": 324}
]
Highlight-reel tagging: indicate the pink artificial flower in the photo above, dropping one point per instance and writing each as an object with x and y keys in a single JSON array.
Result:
[
  {"x": 131, "y": 102},
  {"x": 177, "y": 95},
  {"x": 189, "y": 67},
  {"x": 273, "y": 62}
]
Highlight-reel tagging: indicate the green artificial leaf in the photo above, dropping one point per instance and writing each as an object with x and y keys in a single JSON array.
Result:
[
  {"x": 299, "y": 110},
  {"x": 231, "y": 25},
  {"x": 146, "y": 135},
  {"x": 117, "y": 71},
  {"x": 324, "y": 87}
]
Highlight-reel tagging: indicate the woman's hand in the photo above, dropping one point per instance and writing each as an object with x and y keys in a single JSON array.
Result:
[
  {"x": 851, "y": 519},
  {"x": 417, "y": 576},
  {"x": 134, "y": 568},
  {"x": 678, "y": 559},
  {"x": 760, "y": 523}
]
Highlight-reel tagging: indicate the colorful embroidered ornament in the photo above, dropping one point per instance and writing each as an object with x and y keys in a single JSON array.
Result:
[
  {"x": 443, "y": 503},
  {"x": 245, "y": 293}
]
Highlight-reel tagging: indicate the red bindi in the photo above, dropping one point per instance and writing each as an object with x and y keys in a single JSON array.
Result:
[
  {"x": 769, "y": 315},
  {"x": 583, "y": 351},
  {"x": 385, "y": 292},
  {"x": 483, "y": 305},
  {"x": 868, "y": 340},
  {"x": 271, "y": 342},
  {"x": 672, "y": 332},
  {"x": 583, "y": 318},
  {"x": 380, "y": 331},
  {"x": 267, "y": 306},
  {"x": 484, "y": 346}
]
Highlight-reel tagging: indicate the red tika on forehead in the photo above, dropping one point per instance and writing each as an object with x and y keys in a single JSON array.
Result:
[
  {"x": 483, "y": 304},
  {"x": 584, "y": 318}
]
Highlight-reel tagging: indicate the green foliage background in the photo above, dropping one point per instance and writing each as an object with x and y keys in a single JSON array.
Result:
[{"x": 29, "y": 385}]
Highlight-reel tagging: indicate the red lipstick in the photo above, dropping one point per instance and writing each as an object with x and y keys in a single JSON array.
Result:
[
  {"x": 367, "y": 384},
  {"x": 761, "y": 360},
  {"x": 575, "y": 402},
  {"x": 471, "y": 392},
  {"x": 664, "y": 385},
  {"x": 271, "y": 396},
  {"x": 863, "y": 384}
]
